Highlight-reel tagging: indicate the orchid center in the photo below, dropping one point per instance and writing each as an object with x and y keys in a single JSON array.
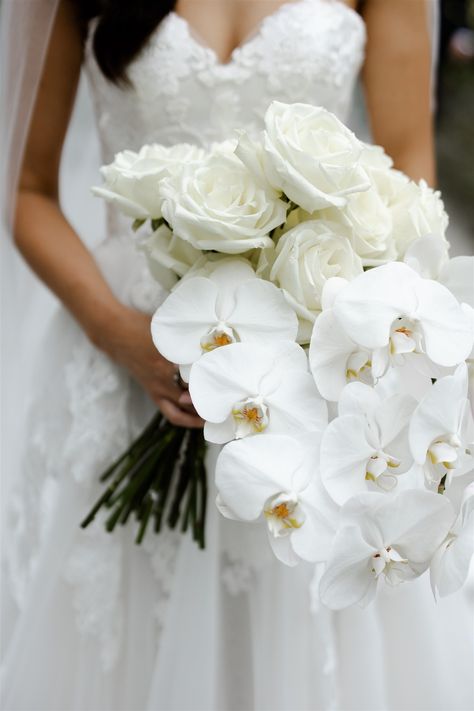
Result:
[
  {"x": 250, "y": 417},
  {"x": 405, "y": 337},
  {"x": 219, "y": 335},
  {"x": 389, "y": 562},
  {"x": 380, "y": 469},
  {"x": 283, "y": 514},
  {"x": 359, "y": 367},
  {"x": 445, "y": 451},
  {"x": 443, "y": 457}
]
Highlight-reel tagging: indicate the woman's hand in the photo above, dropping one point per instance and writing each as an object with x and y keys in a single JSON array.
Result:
[{"x": 127, "y": 340}]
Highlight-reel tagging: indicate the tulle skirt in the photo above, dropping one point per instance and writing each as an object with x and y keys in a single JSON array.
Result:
[{"x": 93, "y": 622}]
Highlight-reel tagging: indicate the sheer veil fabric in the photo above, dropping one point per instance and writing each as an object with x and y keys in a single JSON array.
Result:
[
  {"x": 295, "y": 661},
  {"x": 25, "y": 27}
]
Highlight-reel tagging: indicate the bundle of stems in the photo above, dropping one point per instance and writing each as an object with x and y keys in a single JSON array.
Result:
[{"x": 160, "y": 478}]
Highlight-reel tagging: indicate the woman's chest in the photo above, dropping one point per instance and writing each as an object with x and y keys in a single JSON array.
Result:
[{"x": 307, "y": 50}]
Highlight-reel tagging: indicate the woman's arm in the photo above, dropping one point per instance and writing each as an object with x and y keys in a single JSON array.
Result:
[
  {"x": 397, "y": 80},
  {"x": 54, "y": 250}
]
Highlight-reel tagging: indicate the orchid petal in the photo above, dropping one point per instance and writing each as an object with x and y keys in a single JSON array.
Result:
[
  {"x": 262, "y": 313},
  {"x": 314, "y": 539},
  {"x": 180, "y": 322},
  {"x": 250, "y": 471},
  {"x": 296, "y": 405},
  {"x": 228, "y": 274},
  {"x": 344, "y": 454},
  {"x": 347, "y": 580},
  {"x": 446, "y": 327},
  {"x": 283, "y": 549},
  {"x": 331, "y": 289},
  {"x": 458, "y": 276},
  {"x": 225, "y": 376},
  {"x": 416, "y": 522},
  {"x": 427, "y": 255},
  {"x": 367, "y": 307},
  {"x": 439, "y": 412},
  {"x": 393, "y": 416},
  {"x": 328, "y": 355},
  {"x": 358, "y": 399},
  {"x": 220, "y": 432},
  {"x": 450, "y": 564}
]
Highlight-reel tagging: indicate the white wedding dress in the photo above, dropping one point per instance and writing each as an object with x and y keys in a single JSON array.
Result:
[{"x": 104, "y": 625}]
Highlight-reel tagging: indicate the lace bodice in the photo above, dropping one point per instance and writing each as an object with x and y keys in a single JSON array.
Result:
[{"x": 307, "y": 50}]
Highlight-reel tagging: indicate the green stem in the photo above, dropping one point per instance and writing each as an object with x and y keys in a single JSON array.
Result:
[{"x": 144, "y": 522}]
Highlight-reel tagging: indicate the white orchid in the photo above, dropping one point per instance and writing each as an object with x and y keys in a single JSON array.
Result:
[
  {"x": 457, "y": 275},
  {"x": 335, "y": 359},
  {"x": 250, "y": 388},
  {"x": 427, "y": 256},
  {"x": 450, "y": 564},
  {"x": 367, "y": 444},
  {"x": 394, "y": 312},
  {"x": 441, "y": 431},
  {"x": 391, "y": 537},
  {"x": 276, "y": 478},
  {"x": 230, "y": 305}
]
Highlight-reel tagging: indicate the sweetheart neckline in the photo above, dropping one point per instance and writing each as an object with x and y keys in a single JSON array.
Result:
[{"x": 256, "y": 32}]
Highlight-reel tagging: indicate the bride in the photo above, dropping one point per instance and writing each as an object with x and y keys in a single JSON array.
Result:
[{"x": 98, "y": 623}]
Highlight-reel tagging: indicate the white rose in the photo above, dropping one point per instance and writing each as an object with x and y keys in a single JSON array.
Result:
[
  {"x": 311, "y": 156},
  {"x": 168, "y": 256},
  {"x": 371, "y": 224},
  {"x": 132, "y": 180},
  {"x": 418, "y": 211},
  {"x": 218, "y": 205},
  {"x": 391, "y": 215},
  {"x": 373, "y": 157},
  {"x": 228, "y": 146},
  {"x": 305, "y": 258},
  {"x": 368, "y": 214}
]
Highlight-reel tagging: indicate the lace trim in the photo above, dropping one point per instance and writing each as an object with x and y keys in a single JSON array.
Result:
[
  {"x": 308, "y": 50},
  {"x": 98, "y": 398},
  {"x": 163, "y": 556},
  {"x": 94, "y": 569}
]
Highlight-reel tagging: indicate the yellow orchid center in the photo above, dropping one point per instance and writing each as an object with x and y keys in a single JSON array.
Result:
[
  {"x": 250, "y": 417},
  {"x": 217, "y": 336},
  {"x": 283, "y": 515}
]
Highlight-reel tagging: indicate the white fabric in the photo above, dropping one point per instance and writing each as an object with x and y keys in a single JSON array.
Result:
[
  {"x": 105, "y": 625},
  {"x": 24, "y": 33}
]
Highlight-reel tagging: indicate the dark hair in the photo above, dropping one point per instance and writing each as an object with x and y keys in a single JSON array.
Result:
[{"x": 123, "y": 27}]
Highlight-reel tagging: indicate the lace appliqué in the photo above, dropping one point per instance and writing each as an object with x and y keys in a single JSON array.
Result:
[
  {"x": 244, "y": 552},
  {"x": 94, "y": 569},
  {"x": 163, "y": 551},
  {"x": 98, "y": 397},
  {"x": 237, "y": 575}
]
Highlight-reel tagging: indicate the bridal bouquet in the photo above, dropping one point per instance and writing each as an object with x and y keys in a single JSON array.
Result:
[{"x": 327, "y": 341}]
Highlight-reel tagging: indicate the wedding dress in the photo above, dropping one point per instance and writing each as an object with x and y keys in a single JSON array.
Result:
[{"x": 103, "y": 624}]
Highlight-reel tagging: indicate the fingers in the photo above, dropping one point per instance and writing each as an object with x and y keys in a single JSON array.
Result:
[
  {"x": 184, "y": 399},
  {"x": 185, "y": 403},
  {"x": 179, "y": 417}
]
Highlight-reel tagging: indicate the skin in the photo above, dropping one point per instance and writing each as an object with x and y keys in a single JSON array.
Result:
[{"x": 396, "y": 76}]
